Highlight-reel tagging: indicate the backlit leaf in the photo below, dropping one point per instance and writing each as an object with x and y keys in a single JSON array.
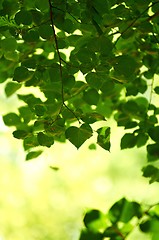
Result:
[
  {"x": 11, "y": 88},
  {"x": 20, "y": 134},
  {"x": 11, "y": 119},
  {"x": 77, "y": 136},
  {"x": 45, "y": 140},
  {"x": 103, "y": 138},
  {"x": 33, "y": 154}
]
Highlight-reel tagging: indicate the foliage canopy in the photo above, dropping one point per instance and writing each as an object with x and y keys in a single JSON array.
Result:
[{"x": 113, "y": 44}]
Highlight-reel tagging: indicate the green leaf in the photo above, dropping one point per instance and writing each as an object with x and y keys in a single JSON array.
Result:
[
  {"x": 156, "y": 89},
  {"x": 45, "y": 140},
  {"x": 9, "y": 44},
  {"x": 39, "y": 109},
  {"x": 111, "y": 233},
  {"x": 92, "y": 146},
  {"x": 31, "y": 36},
  {"x": 11, "y": 119},
  {"x": 105, "y": 46},
  {"x": 128, "y": 141},
  {"x": 23, "y": 17},
  {"x": 153, "y": 152},
  {"x": 151, "y": 172},
  {"x": 20, "y": 134},
  {"x": 36, "y": 16},
  {"x": 22, "y": 74},
  {"x": 42, "y": 5},
  {"x": 124, "y": 211},
  {"x": 91, "y": 235},
  {"x": 91, "y": 96},
  {"x": 145, "y": 226},
  {"x": 92, "y": 117},
  {"x": 154, "y": 133},
  {"x": 12, "y": 56},
  {"x": 45, "y": 31},
  {"x": 11, "y": 88},
  {"x": 26, "y": 114},
  {"x": 94, "y": 80},
  {"x": 103, "y": 138},
  {"x": 142, "y": 139},
  {"x": 91, "y": 216},
  {"x": 30, "y": 141},
  {"x": 33, "y": 154},
  {"x": 77, "y": 136},
  {"x": 125, "y": 65}
]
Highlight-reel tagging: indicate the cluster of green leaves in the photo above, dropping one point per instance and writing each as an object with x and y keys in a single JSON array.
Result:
[
  {"x": 122, "y": 219},
  {"x": 115, "y": 47}
]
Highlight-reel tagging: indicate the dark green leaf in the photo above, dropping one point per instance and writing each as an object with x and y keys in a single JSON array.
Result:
[
  {"x": 45, "y": 140},
  {"x": 23, "y": 17},
  {"x": 92, "y": 117},
  {"x": 128, "y": 141},
  {"x": 145, "y": 226},
  {"x": 91, "y": 216},
  {"x": 31, "y": 36},
  {"x": 94, "y": 80},
  {"x": 26, "y": 114},
  {"x": 30, "y": 141},
  {"x": 33, "y": 154},
  {"x": 77, "y": 136},
  {"x": 124, "y": 211},
  {"x": 45, "y": 31},
  {"x": 42, "y": 5},
  {"x": 156, "y": 89},
  {"x": 154, "y": 133},
  {"x": 151, "y": 172},
  {"x": 153, "y": 152},
  {"x": 91, "y": 96},
  {"x": 142, "y": 139},
  {"x": 22, "y": 74},
  {"x": 106, "y": 46},
  {"x": 39, "y": 110},
  {"x": 111, "y": 233},
  {"x": 9, "y": 44},
  {"x": 11, "y": 119},
  {"x": 20, "y": 134},
  {"x": 11, "y": 88},
  {"x": 125, "y": 65},
  {"x": 85, "y": 235}
]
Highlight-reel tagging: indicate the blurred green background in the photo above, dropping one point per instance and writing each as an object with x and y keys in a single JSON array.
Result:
[{"x": 40, "y": 202}]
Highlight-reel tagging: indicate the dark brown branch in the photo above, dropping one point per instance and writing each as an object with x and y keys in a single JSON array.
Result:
[{"x": 60, "y": 60}]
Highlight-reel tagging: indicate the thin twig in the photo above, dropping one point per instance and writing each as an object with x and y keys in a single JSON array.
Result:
[
  {"x": 60, "y": 62},
  {"x": 134, "y": 21}
]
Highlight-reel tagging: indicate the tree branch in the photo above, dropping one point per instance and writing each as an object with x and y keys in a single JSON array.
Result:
[{"x": 60, "y": 61}]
